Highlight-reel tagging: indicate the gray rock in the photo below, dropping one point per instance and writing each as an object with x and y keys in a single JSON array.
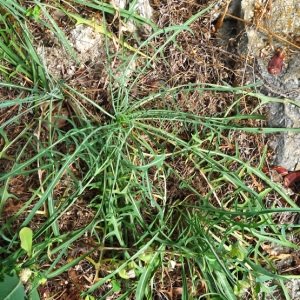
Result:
[{"x": 276, "y": 23}]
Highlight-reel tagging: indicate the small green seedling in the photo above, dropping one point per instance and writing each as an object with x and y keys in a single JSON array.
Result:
[
  {"x": 34, "y": 12},
  {"x": 26, "y": 240}
]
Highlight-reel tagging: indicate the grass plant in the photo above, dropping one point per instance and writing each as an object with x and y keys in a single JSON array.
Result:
[{"x": 160, "y": 198}]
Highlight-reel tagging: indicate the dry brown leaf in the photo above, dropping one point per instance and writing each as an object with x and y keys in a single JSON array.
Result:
[{"x": 220, "y": 22}]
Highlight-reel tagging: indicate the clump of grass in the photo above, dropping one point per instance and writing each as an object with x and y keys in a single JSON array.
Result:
[{"x": 158, "y": 196}]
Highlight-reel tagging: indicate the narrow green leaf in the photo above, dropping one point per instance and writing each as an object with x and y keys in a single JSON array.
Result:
[
  {"x": 226, "y": 287},
  {"x": 148, "y": 271},
  {"x": 185, "y": 294}
]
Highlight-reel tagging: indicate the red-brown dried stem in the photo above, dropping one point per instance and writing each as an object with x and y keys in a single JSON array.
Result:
[
  {"x": 291, "y": 178},
  {"x": 276, "y": 62}
]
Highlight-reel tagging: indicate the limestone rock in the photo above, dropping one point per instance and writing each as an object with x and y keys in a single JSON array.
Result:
[{"x": 276, "y": 25}]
